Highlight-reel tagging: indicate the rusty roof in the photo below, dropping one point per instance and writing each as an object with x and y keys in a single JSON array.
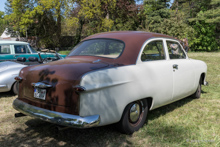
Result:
[{"x": 133, "y": 40}]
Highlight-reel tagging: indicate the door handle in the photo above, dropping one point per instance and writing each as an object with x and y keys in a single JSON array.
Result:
[{"x": 175, "y": 66}]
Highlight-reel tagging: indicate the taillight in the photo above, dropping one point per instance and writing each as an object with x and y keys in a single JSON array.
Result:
[
  {"x": 79, "y": 89},
  {"x": 18, "y": 79}
]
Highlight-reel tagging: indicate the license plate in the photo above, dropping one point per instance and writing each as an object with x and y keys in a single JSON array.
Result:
[{"x": 40, "y": 93}]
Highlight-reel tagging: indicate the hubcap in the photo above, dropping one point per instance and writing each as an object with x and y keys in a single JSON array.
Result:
[{"x": 135, "y": 112}]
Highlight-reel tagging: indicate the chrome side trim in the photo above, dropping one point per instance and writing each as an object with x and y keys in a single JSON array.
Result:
[
  {"x": 41, "y": 85},
  {"x": 56, "y": 117},
  {"x": 3, "y": 86}
]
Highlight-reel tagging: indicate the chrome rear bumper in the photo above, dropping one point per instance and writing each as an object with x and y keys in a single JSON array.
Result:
[{"x": 56, "y": 117}]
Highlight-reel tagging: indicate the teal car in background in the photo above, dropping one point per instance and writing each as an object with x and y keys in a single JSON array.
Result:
[{"x": 11, "y": 50}]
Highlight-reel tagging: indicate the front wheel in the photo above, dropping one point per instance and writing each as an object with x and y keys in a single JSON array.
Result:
[
  {"x": 15, "y": 88},
  {"x": 134, "y": 116},
  {"x": 197, "y": 94}
]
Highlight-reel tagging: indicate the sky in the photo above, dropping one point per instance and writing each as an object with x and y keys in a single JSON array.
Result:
[{"x": 2, "y": 5}]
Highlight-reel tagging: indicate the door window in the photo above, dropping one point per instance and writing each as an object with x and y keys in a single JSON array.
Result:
[
  {"x": 5, "y": 49},
  {"x": 153, "y": 51},
  {"x": 175, "y": 50},
  {"x": 21, "y": 49}
]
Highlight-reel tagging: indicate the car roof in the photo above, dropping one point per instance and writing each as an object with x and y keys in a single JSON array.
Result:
[
  {"x": 12, "y": 42},
  {"x": 133, "y": 40},
  {"x": 122, "y": 35}
]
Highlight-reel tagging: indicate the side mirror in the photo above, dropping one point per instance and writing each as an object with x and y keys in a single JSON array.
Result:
[
  {"x": 21, "y": 59},
  {"x": 33, "y": 59}
]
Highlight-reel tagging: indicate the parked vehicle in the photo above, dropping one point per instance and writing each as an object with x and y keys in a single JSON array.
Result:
[
  {"x": 10, "y": 69},
  {"x": 114, "y": 77},
  {"x": 11, "y": 50}
]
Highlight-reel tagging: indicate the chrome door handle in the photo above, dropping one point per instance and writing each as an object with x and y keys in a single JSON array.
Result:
[{"x": 175, "y": 66}]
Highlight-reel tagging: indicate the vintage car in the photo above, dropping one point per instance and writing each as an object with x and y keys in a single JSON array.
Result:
[
  {"x": 10, "y": 69},
  {"x": 11, "y": 50},
  {"x": 114, "y": 77}
]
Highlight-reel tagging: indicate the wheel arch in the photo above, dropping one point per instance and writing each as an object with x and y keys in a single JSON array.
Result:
[
  {"x": 149, "y": 102},
  {"x": 12, "y": 88},
  {"x": 203, "y": 76}
]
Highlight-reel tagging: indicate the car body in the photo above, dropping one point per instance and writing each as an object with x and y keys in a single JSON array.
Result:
[
  {"x": 113, "y": 77},
  {"x": 11, "y": 50},
  {"x": 10, "y": 69}
]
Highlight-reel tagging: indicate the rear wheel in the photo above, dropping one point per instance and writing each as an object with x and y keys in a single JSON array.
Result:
[{"x": 133, "y": 117}]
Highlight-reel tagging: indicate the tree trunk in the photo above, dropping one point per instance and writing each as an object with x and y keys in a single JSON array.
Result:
[
  {"x": 79, "y": 31},
  {"x": 58, "y": 31}
]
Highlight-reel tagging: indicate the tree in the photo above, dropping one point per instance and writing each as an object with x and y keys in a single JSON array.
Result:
[
  {"x": 38, "y": 18},
  {"x": 3, "y": 22},
  {"x": 93, "y": 16},
  {"x": 205, "y": 37},
  {"x": 156, "y": 12},
  {"x": 207, "y": 26}
]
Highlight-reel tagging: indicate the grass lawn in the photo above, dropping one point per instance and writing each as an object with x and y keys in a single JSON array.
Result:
[
  {"x": 188, "y": 122},
  {"x": 64, "y": 52}
]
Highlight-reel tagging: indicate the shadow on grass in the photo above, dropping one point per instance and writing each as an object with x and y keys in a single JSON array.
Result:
[
  {"x": 40, "y": 133},
  {"x": 165, "y": 131},
  {"x": 6, "y": 94},
  {"x": 203, "y": 91},
  {"x": 154, "y": 114}
]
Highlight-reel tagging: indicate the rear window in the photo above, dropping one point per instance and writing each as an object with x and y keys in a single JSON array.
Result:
[{"x": 99, "y": 47}]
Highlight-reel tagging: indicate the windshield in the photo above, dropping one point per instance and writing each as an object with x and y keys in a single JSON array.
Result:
[
  {"x": 32, "y": 49},
  {"x": 99, "y": 47}
]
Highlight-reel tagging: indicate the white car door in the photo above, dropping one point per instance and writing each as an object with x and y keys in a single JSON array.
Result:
[
  {"x": 157, "y": 74},
  {"x": 183, "y": 71}
]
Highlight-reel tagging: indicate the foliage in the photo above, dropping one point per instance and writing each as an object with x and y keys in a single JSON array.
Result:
[
  {"x": 201, "y": 16},
  {"x": 160, "y": 19},
  {"x": 38, "y": 18},
  {"x": 97, "y": 14},
  {"x": 49, "y": 19},
  {"x": 205, "y": 37},
  {"x": 176, "y": 27},
  {"x": 2, "y": 22}
]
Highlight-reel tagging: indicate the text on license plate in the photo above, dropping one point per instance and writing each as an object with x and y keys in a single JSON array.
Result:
[{"x": 40, "y": 93}]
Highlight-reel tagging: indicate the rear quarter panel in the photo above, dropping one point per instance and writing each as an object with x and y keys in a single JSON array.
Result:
[{"x": 108, "y": 91}]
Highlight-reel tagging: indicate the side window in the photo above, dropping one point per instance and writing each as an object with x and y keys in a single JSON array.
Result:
[
  {"x": 5, "y": 49},
  {"x": 21, "y": 49},
  {"x": 175, "y": 50},
  {"x": 153, "y": 51}
]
